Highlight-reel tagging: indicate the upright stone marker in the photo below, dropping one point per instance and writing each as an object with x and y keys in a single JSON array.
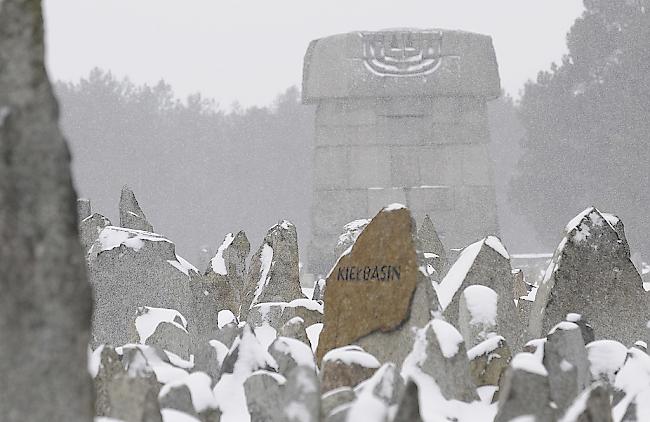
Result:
[
  {"x": 371, "y": 289},
  {"x": 401, "y": 117},
  {"x": 45, "y": 304}
]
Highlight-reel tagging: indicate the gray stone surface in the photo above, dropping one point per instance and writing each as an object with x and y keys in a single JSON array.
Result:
[
  {"x": 591, "y": 274},
  {"x": 335, "y": 398},
  {"x": 131, "y": 215},
  {"x": 131, "y": 270},
  {"x": 526, "y": 391},
  {"x": 565, "y": 359},
  {"x": 172, "y": 338},
  {"x": 439, "y": 352},
  {"x": 593, "y": 405},
  {"x": 273, "y": 275},
  {"x": 487, "y": 267},
  {"x": 264, "y": 396},
  {"x": 83, "y": 208},
  {"x": 408, "y": 409},
  {"x": 302, "y": 395},
  {"x": 178, "y": 398},
  {"x": 477, "y": 314},
  {"x": 430, "y": 243},
  {"x": 290, "y": 353},
  {"x": 110, "y": 366},
  {"x": 488, "y": 361},
  {"x": 295, "y": 328},
  {"x": 89, "y": 229},
  {"x": 134, "y": 398},
  {"x": 346, "y": 366},
  {"x": 378, "y": 393},
  {"x": 242, "y": 349},
  {"x": 276, "y": 314},
  {"x": 319, "y": 290},
  {"x": 45, "y": 305}
]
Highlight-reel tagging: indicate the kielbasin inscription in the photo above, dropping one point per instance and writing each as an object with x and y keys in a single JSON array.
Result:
[{"x": 369, "y": 273}]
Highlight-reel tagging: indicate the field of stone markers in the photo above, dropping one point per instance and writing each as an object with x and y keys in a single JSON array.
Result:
[{"x": 401, "y": 329}]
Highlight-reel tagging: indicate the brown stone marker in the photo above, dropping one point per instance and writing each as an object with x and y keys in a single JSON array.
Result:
[{"x": 371, "y": 287}]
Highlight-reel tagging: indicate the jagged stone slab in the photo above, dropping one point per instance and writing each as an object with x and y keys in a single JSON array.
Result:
[
  {"x": 290, "y": 353},
  {"x": 408, "y": 409},
  {"x": 346, "y": 367},
  {"x": 381, "y": 267},
  {"x": 45, "y": 305},
  {"x": 591, "y": 272},
  {"x": 377, "y": 393},
  {"x": 274, "y": 275},
  {"x": 435, "y": 253},
  {"x": 319, "y": 290},
  {"x": 592, "y": 405},
  {"x": 131, "y": 215},
  {"x": 488, "y": 361},
  {"x": 336, "y": 398},
  {"x": 83, "y": 208},
  {"x": 295, "y": 328},
  {"x": 90, "y": 228}
]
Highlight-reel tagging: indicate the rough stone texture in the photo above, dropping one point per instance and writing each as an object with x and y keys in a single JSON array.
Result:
[
  {"x": 565, "y": 359},
  {"x": 295, "y": 328},
  {"x": 381, "y": 391},
  {"x": 131, "y": 215},
  {"x": 83, "y": 208},
  {"x": 335, "y": 398},
  {"x": 343, "y": 368},
  {"x": 350, "y": 233},
  {"x": 408, "y": 409},
  {"x": 290, "y": 353},
  {"x": 89, "y": 229},
  {"x": 364, "y": 280},
  {"x": 449, "y": 369},
  {"x": 415, "y": 135},
  {"x": 488, "y": 361},
  {"x": 178, "y": 398},
  {"x": 319, "y": 290},
  {"x": 593, "y": 405},
  {"x": 138, "y": 271},
  {"x": 45, "y": 305},
  {"x": 488, "y": 268},
  {"x": 109, "y": 367},
  {"x": 273, "y": 275},
  {"x": 279, "y": 313},
  {"x": 302, "y": 396},
  {"x": 524, "y": 393},
  {"x": 477, "y": 314},
  {"x": 264, "y": 396},
  {"x": 430, "y": 243},
  {"x": 591, "y": 272},
  {"x": 134, "y": 398},
  {"x": 171, "y": 338}
]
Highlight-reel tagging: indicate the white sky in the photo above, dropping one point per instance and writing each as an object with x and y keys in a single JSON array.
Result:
[{"x": 251, "y": 50}]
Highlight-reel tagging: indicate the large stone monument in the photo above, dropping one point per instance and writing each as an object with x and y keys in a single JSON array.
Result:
[{"x": 401, "y": 117}]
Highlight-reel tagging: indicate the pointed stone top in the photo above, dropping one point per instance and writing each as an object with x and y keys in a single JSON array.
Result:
[
  {"x": 83, "y": 208},
  {"x": 429, "y": 239},
  {"x": 131, "y": 215}
]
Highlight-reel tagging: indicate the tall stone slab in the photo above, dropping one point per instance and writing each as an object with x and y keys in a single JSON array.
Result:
[
  {"x": 591, "y": 274},
  {"x": 45, "y": 305},
  {"x": 401, "y": 117},
  {"x": 382, "y": 267}
]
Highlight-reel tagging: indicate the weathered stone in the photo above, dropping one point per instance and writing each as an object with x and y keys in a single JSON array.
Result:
[
  {"x": 131, "y": 215},
  {"x": 251, "y": 347},
  {"x": 488, "y": 361},
  {"x": 429, "y": 243},
  {"x": 381, "y": 267},
  {"x": 295, "y": 328},
  {"x": 45, "y": 305},
  {"x": 171, "y": 337},
  {"x": 109, "y": 367},
  {"x": 486, "y": 263},
  {"x": 335, "y": 398},
  {"x": 83, "y": 208},
  {"x": 439, "y": 352},
  {"x": 565, "y": 359},
  {"x": 408, "y": 409},
  {"x": 639, "y": 408},
  {"x": 477, "y": 314},
  {"x": 276, "y": 314},
  {"x": 525, "y": 391},
  {"x": 586, "y": 329},
  {"x": 302, "y": 396},
  {"x": 274, "y": 273},
  {"x": 350, "y": 233},
  {"x": 606, "y": 358},
  {"x": 591, "y": 271},
  {"x": 378, "y": 393},
  {"x": 90, "y": 228},
  {"x": 134, "y": 398},
  {"x": 130, "y": 269},
  {"x": 319, "y": 290},
  {"x": 346, "y": 367},
  {"x": 290, "y": 353},
  {"x": 593, "y": 405},
  {"x": 178, "y": 398}
]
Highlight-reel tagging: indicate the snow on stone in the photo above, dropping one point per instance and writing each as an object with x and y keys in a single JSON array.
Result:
[
  {"x": 149, "y": 319},
  {"x": 528, "y": 362},
  {"x": 448, "y": 337},
  {"x": 176, "y": 360},
  {"x": 394, "y": 207},
  {"x": 183, "y": 265},
  {"x": 606, "y": 357},
  {"x": 634, "y": 376},
  {"x": 579, "y": 231},
  {"x": 199, "y": 385},
  {"x": 265, "y": 334},
  {"x": 165, "y": 372},
  {"x": 352, "y": 230},
  {"x": 284, "y": 224},
  {"x": 312, "y": 305},
  {"x": 225, "y": 317},
  {"x": 94, "y": 360},
  {"x": 112, "y": 237},
  {"x": 481, "y": 302},
  {"x": 299, "y": 351},
  {"x": 369, "y": 405},
  {"x": 313, "y": 334},
  {"x": 267, "y": 261},
  {"x": 484, "y": 347},
  {"x": 457, "y": 273},
  {"x": 352, "y": 355},
  {"x": 573, "y": 317},
  {"x": 105, "y": 419},
  {"x": 220, "y": 349},
  {"x": 564, "y": 326},
  {"x": 307, "y": 291},
  {"x": 217, "y": 262},
  {"x": 611, "y": 218},
  {"x": 173, "y": 415},
  {"x": 495, "y": 243}
]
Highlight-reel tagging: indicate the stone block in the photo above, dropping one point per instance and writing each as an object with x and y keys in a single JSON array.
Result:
[
  {"x": 379, "y": 198},
  {"x": 370, "y": 167},
  {"x": 430, "y": 199},
  {"x": 349, "y": 135},
  {"x": 476, "y": 165},
  {"x": 331, "y": 167},
  {"x": 440, "y": 165},
  {"x": 404, "y": 166},
  {"x": 333, "y": 209},
  {"x": 346, "y": 112},
  {"x": 404, "y": 130}
]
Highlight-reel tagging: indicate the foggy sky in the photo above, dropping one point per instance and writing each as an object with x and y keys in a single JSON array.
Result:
[{"x": 249, "y": 51}]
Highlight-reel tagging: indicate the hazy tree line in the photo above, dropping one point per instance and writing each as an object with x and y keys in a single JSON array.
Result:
[{"x": 578, "y": 136}]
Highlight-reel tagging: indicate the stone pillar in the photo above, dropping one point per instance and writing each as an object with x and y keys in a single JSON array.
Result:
[{"x": 401, "y": 117}]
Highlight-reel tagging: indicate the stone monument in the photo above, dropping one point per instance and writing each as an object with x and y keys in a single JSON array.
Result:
[{"x": 401, "y": 117}]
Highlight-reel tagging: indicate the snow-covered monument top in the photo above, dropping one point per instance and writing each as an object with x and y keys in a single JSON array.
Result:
[
  {"x": 401, "y": 63},
  {"x": 401, "y": 118}
]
